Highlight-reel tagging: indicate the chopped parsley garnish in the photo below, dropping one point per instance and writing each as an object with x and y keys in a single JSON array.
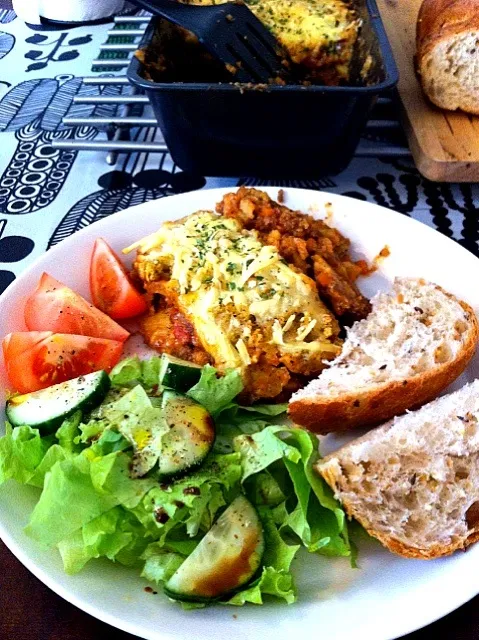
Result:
[{"x": 268, "y": 294}]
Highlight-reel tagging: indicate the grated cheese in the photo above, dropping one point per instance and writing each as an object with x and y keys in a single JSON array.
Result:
[{"x": 231, "y": 284}]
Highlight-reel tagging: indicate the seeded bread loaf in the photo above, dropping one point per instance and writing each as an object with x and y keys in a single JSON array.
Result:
[
  {"x": 415, "y": 342},
  {"x": 413, "y": 483},
  {"x": 448, "y": 53}
]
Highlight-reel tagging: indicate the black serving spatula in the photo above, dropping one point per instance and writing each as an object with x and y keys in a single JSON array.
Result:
[{"x": 231, "y": 33}]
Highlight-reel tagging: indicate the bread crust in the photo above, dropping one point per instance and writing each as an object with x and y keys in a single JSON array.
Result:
[
  {"x": 369, "y": 408},
  {"x": 441, "y": 20},
  {"x": 327, "y": 471}
]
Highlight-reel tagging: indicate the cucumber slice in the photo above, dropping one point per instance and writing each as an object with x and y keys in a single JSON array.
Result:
[
  {"x": 226, "y": 558},
  {"x": 46, "y": 409},
  {"x": 177, "y": 374},
  {"x": 190, "y": 438}
]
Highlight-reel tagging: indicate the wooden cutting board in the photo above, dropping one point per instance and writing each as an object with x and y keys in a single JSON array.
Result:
[{"x": 444, "y": 144}]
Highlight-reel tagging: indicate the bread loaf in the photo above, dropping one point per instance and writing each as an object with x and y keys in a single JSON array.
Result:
[
  {"x": 414, "y": 482},
  {"x": 448, "y": 53},
  {"x": 414, "y": 343}
]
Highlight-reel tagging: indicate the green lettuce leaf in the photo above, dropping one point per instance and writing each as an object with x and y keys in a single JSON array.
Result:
[
  {"x": 160, "y": 563},
  {"x": 133, "y": 371},
  {"x": 116, "y": 535},
  {"x": 189, "y": 505},
  {"x": 21, "y": 451},
  {"x": 278, "y": 554},
  {"x": 316, "y": 518},
  {"x": 69, "y": 432},
  {"x": 55, "y": 454},
  {"x": 216, "y": 393},
  {"x": 266, "y": 409},
  {"x": 90, "y": 431},
  {"x": 235, "y": 421},
  {"x": 69, "y": 500},
  {"x": 134, "y": 401},
  {"x": 110, "y": 475},
  {"x": 91, "y": 507},
  {"x": 80, "y": 489},
  {"x": 272, "y": 582},
  {"x": 127, "y": 372},
  {"x": 108, "y": 442},
  {"x": 263, "y": 489},
  {"x": 141, "y": 424},
  {"x": 258, "y": 451},
  {"x": 150, "y": 372}
]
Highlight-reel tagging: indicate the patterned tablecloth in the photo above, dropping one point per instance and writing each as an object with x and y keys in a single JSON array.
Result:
[{"x": 47, "y": 194}]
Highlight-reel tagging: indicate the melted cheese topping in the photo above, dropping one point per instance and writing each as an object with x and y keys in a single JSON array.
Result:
[
  {"x": 237, "y": 292},
  {"x": 308, "y": 28},
  {"x": 314, "y": 32}
]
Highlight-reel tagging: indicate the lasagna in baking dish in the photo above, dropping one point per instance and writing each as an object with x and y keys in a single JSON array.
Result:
[
  {"x": 223, "y": 294},
  {"x": 319, "y": 35}
]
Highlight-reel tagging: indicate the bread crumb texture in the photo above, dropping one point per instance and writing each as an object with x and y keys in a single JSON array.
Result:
[
  {"x": 414, "y": 482},
  {"x": 450, "y": 72},
  {"x": 411, "y": 330}
]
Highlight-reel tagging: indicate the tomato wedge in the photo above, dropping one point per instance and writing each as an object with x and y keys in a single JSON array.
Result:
[
  {"x": 37, "y": 359},
  {"x": 55, "y": 307},
  {"x": 111, "y": 289}
]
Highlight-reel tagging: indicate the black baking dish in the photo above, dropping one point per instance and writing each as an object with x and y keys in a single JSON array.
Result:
[{"x": 292, "y": 131}]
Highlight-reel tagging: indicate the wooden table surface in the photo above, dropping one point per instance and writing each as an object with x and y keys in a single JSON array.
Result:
[{"x": 30, "y": 611}]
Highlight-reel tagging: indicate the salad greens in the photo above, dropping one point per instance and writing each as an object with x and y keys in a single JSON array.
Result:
[{"x": 91, "y": 504}]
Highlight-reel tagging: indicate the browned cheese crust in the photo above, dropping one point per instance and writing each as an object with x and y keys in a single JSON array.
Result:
[{"x": 369, "y": 408}]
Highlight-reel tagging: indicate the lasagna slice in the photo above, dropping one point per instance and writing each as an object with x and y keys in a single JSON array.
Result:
[
  {"x": 319, "y": 36},
  {"x": 219, "y": 295}
]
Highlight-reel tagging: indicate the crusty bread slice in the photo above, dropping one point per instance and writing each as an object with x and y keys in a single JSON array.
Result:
[
  {"x": 414, "y": 343},
  {"x": 448, "y": 53},
  {"x": 413, "y": 483}
]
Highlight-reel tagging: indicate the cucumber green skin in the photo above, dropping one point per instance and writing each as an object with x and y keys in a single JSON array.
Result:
[
  {"x": 181, "y": 381},
  {"x": 176, "y": 475},
  {"x": 52, "y": 424},
  {"x": 225, "y": 596},
  {"x": 180, "y": 473},
  {"x": 181, "y": 597},
  {"x": 181, "y": 377},
  {"x": 184, "y": 470}
]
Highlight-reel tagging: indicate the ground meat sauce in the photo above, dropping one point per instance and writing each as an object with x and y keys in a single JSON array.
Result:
[
  {"x": 310, "y": 245},
  {"x": 169, "y": 331}
]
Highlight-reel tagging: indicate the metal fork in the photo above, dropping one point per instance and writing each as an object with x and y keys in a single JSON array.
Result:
[{"x": 231, "y": 33}]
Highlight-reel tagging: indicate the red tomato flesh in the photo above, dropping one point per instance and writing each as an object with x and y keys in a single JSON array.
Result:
[
  {"x": 57, "y": 308},
  {"x": 111, "y": 289},
  {"x": 37, "y": 359}
]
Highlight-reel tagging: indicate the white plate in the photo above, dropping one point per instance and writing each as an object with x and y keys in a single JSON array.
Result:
[{"x": 388, "y": 596}]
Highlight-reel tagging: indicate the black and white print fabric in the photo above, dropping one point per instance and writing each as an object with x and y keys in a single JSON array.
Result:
[{"x": 46, "y": 193}]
